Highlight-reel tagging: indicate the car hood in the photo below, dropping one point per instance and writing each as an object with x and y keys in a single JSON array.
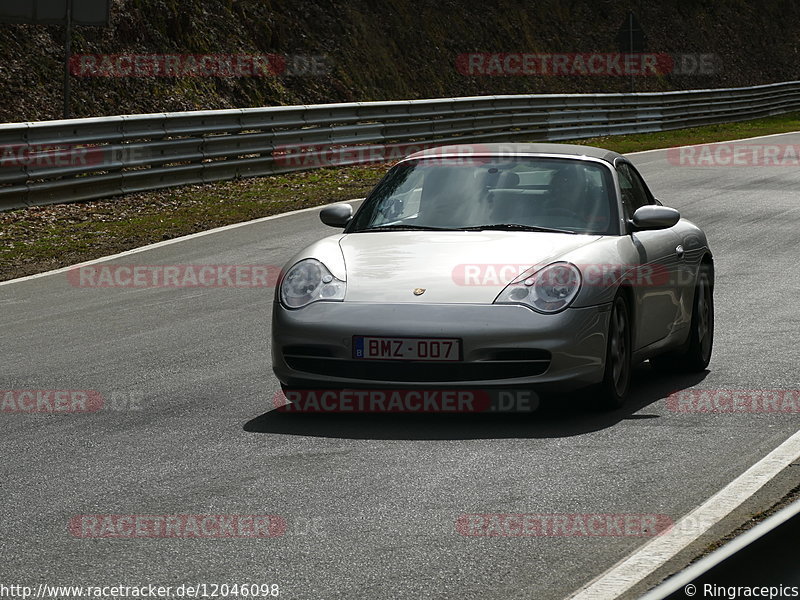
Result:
[{"x": 451, "y": 266}]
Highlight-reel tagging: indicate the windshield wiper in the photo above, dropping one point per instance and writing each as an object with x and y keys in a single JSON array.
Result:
[
  {"x": 505, "y": 226},
  {"x": 399, "y": 227}
]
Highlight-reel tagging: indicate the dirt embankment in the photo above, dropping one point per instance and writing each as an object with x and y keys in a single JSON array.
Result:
[{"x": 397, "y": 49}]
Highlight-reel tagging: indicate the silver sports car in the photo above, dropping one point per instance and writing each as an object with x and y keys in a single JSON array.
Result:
[{"x": 539, "y": 266}]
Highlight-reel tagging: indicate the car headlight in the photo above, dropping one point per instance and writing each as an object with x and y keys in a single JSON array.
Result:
[
  {"x": 309, "y": 281},
  {"x": 548, "y": 290}
]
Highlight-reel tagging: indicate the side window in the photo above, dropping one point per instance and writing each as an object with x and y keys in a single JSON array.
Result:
[
  {"x": 639, "y": 182},
  {"x": 634, "y": 192}
]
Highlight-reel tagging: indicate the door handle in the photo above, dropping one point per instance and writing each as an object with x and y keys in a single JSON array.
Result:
[{"x": 679, "y": 251}]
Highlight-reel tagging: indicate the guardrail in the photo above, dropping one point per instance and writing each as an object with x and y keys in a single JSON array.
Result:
[
  {"x": 764, "y": 556},
  {"x": 81, "y": 159}
]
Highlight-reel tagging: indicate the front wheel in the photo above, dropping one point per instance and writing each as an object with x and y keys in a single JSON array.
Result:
[
  {"x": 617, "y": 377},
  {"x": 701, "y": 336}
]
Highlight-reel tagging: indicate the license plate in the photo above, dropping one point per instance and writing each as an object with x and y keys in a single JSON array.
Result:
[{"x": 407, "y": 348}]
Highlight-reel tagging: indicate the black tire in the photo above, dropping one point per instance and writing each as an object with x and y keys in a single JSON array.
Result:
[
  {"x": 613, "y": 391},
  {"x": 697, "y": 354}
]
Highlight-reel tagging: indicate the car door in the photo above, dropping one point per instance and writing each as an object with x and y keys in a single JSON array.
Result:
[{"x": 655, "y": 290}]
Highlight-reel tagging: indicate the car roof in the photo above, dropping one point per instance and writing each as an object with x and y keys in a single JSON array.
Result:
[{"x": 506, "y": 149}]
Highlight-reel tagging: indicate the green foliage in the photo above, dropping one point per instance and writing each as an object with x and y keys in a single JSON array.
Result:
[{"x": 397, "y": 49}]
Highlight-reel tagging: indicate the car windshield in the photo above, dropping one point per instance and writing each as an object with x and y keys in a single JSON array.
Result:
[{"x": 519, "y": 193}]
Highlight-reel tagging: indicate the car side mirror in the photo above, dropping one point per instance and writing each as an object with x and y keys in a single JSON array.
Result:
[
  {"x": 654, "y": 217},
  {"x": 336, "y": 215}
]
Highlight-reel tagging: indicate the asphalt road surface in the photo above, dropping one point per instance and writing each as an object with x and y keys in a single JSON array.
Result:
[{"x": 370, "y": 503}]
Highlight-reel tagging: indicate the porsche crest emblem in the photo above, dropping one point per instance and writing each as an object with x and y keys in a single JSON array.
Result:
[{"x": 419, "y": 291}]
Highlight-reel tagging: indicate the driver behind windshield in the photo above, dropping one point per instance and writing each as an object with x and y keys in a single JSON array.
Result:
[
  {"x": 567, "y": 190},
  {"x": 574, "y": 199}
]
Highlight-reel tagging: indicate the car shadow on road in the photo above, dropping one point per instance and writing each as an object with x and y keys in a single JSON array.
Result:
[{"x": 561, "y": 415}]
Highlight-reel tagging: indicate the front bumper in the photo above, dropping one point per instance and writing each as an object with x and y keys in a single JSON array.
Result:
[{"x": 502, "y": 345}]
